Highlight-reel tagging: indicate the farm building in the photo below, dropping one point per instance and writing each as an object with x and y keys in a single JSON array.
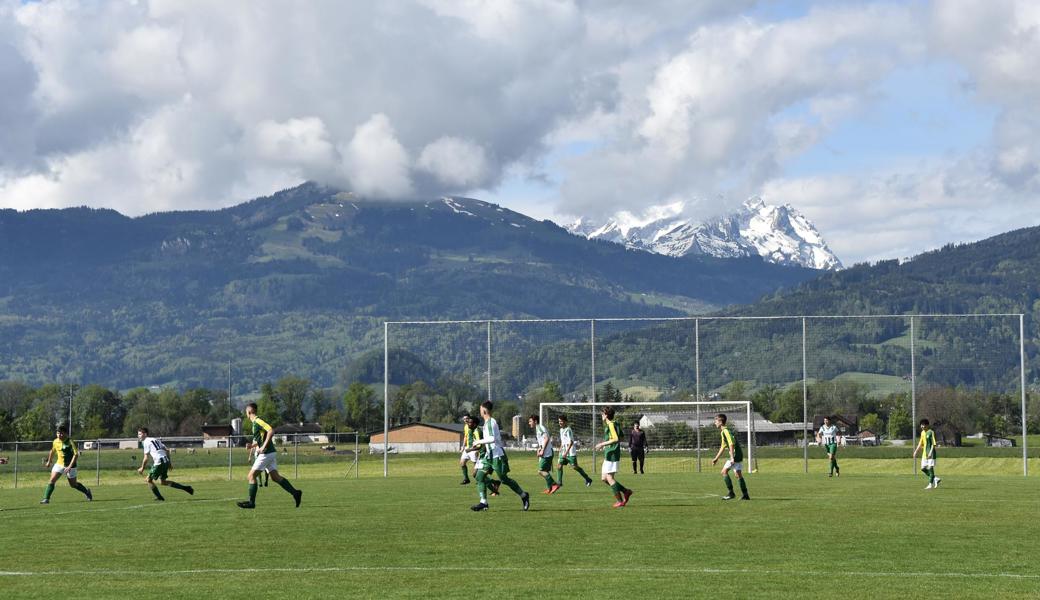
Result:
[{"x": 420, "y": 437}]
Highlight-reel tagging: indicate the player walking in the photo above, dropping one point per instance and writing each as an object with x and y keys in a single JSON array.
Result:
[
  {"x": 611, "y": 446},
  {"x": 569, "y": 453},
  {"x": 736, "y": 458},
  {"x": 266, "y": 458},
  {"x": 64, "y": 454},
  {"x": 928, "y": 445},
  {"x": 161, "y": 464},
  {"x": 545, "y": 453},
  {"x": 828, "y": 436},
  {"x": 492, "y": 439},
  {"x": 469, "y": 435}
]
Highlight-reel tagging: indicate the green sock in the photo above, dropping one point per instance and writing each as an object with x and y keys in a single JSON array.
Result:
[
  {"x": 155, "y": 491},
  {"x": 615, "y": 487},
  {"x": 931, "y": 475},
  {"x": 549, "y": 481},
  {"x": 729, "y": 483},
  {"x": 836, "y": 469},
  {"x": 583, "y": 474},
  {"x": 252, "y": 493},
  {"x": 559, "y": 475},
  {"x": 47, "y": 492},
  {"x": 178, "y": 486},
  {"x": 287, "y": 486},
  {"x": 81, "y": 488},
  {"x": 513, "y": 485},
  {"x": 743, "y": 486},
  {"x": 833, "y": 464},
  {"x": 482, "y": 486},
  {"x": 465, "y": 473}
]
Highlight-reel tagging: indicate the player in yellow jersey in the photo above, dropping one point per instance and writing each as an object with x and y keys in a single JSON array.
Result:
[
  {"x": 64, "y": 455},
  {"x": 470, "y": 434},
  {"x": 266, "y": 459},
  {"x": 927, "y": 448},
  {"x": 735, "y": 463}
]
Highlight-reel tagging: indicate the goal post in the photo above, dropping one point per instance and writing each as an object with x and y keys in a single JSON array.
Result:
[{"x": 677, "y": 433}]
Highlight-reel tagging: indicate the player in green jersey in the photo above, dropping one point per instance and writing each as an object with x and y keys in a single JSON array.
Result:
[
  {"x": 545, "y": 453},
  {"x": 569, "y": 453},
  {"x": 266, "y": 459},
  {"x": 927, "y": 448},
  {"x": 470, "y": 434},
  {"x": 611, "y": 446},
  {"x": 736, "y": 459},
  {"x": 828, "y": 436},
  {"x": 64, "y": 455},
  {"x": 161, "y": 464},
  {"x": 492, "y": 441}
]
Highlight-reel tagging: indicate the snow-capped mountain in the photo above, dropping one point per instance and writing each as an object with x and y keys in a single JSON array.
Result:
[{"x": 779, "y": 234}]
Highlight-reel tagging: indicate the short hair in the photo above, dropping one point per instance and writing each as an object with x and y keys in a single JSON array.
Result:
[
  {"x": 608, "y": 411},
  {"x": 925, "y": 422},
  {"x": 252, "y": 405},
  {"x": 635, "y": 424},
  {"x": 487, "y": 405},
  {"x": 144, "y": 429},
  {"x": 534, "y": 418},
  {"x": 826, "y": 418},
  {"x": 468, "y": 417},
  {"x": 63, "y": 427},
  {"x": 721, "y": 417},
  {"x": 562, "y": 418}
]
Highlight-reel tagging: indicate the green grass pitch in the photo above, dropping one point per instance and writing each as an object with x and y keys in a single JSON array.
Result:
[{"x": 873, "y": 535}]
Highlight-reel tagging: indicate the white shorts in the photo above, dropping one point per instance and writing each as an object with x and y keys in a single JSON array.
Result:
[
  {"x": 266, "y": 462},
  {"x": 927, "y": 463},
  {"x": 732, "y": 465},
  {"x": 61, "y": 469},
  {"x": 470, "y": 456},
  {"x": 609, "y": 467}
]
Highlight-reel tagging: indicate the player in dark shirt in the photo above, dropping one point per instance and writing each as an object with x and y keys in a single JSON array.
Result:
[{"x": 637, "y": 447}]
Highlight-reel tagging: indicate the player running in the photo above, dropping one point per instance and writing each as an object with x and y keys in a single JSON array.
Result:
[
  {"x": 569, "y": 453},
  {"x": 492, "y": 439},
  {"x": 161, "y": 464},
  {"x": 64, "y": 454},
  {"x": 266, "y": 458},
  {"x": 828, "y": 436},
  {"x": 611, "y": 446},
  {"x": 928, "y": 445},
  {"x": 482, "y": 471},
  {"x": 469, "y": 435},
  {"x": 545, "y": 453},
  {"x": 736, "y": 458}
]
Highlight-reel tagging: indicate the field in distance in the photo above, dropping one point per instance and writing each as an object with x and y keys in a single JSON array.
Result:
[{"x": 413, "y": 536}]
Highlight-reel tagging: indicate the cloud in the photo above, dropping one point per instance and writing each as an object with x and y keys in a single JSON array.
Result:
[
  {"x": 376, "y": 163},
  {"x": 455, "y": 162}
]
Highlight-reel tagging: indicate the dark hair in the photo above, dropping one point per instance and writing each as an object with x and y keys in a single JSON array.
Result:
[
  {"x": 487, "y": 404},
  {"x": 468, "y": 417},
  {"x": 721, "y": 417},
  {"x": 562, "y": 418},
  {"x": 252, "y": 405},
  {"x": 534, "y": 418},
  {"x": 609, "y": 412},
  {"x": 144, "y": 429},
  {"x": 925, "y": 422},
  {"x": 63, "y": 427},
  {"x": 636, "y": 424}
]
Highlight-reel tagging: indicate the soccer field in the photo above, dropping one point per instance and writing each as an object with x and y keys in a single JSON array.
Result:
[{"x": 413, "y": 536}]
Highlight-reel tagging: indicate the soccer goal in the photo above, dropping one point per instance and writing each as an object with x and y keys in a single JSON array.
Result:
[{"x": 680, "y": 436}]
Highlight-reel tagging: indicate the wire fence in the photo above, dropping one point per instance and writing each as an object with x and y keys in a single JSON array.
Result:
[
  {"x": 966, "y": 373},
  {"x": 325, "y": 454}
]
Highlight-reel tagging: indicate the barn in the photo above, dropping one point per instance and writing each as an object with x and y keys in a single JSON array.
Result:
[{"x": 419, "y": 437}]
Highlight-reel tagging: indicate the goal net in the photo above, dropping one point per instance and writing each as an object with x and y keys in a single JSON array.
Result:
[{"x": 680, "y": 436}]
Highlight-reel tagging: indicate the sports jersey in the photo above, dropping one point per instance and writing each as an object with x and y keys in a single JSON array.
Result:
[
  {"x": 156, "y": 449},
  {"x": 567, "y": 439},
  {"x": 469, "y": 436},
  {"x": 927, "y": 443},
  {"x": 728, "y": 439},
  {"x": 493, "y": 438},
  {"x": 611, "y": 452},
  {"x": 65, "y": 450},
  {"x": 260, "y": 429},
  {"x": 543, "y": 438},
  {"x": 829, "y": 435}
]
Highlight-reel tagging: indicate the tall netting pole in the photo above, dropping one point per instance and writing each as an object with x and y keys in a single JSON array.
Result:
[
  {"x": 1022, "y": 366},
  {"x": 489, "y": 361},
  {"x": 805, "y": 400},
  {"x": 386, "y": 395},
  {"x": 592, "y": 346},
  {"x": 697, "y": 385},
  {"x": 913, "y": 396}
]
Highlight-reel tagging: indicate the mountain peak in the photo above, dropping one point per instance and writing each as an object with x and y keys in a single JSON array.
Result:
[{"x": 779, "y": 234}]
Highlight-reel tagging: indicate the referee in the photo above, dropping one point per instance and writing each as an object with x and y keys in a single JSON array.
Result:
[{"x": 637, "y": 447}]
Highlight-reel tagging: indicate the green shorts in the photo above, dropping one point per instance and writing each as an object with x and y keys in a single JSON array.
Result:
[
  {"x": 832, "y": 448},
  {"x": 569, "y": 460},
  {"x": 500, "y": 465},
  {"x": 159, "y": 471},
  {"x": 545, "y": 464}
]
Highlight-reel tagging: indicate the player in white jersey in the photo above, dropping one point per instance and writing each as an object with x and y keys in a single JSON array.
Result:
[
  {"x": 545, "y": 453},
  {"x": 492, "y": 441},
  {"x": 827, "y": 435},
  {"x": 161, "y": 464},
  {"x": 569, "y": 453}
]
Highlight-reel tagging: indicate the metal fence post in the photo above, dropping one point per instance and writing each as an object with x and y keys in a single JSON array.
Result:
[
  {"x": 913, "y": 396},
  {"x": 697, "y": 384},
  {"x": 805, "y": 400},
  {"x": 1022, "y": 366},
  {"x": 230, "y": 456},
  {"x": 489, "y": 361},
  {"x": 98, "y": 466},
  {"x": 296, "y": 456},
  {"x": 386, "y": 396},
  {"x": 357, "y": 458},
  {"x": 16, "y": 465},
  {"x": 592, "y": 432}
]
